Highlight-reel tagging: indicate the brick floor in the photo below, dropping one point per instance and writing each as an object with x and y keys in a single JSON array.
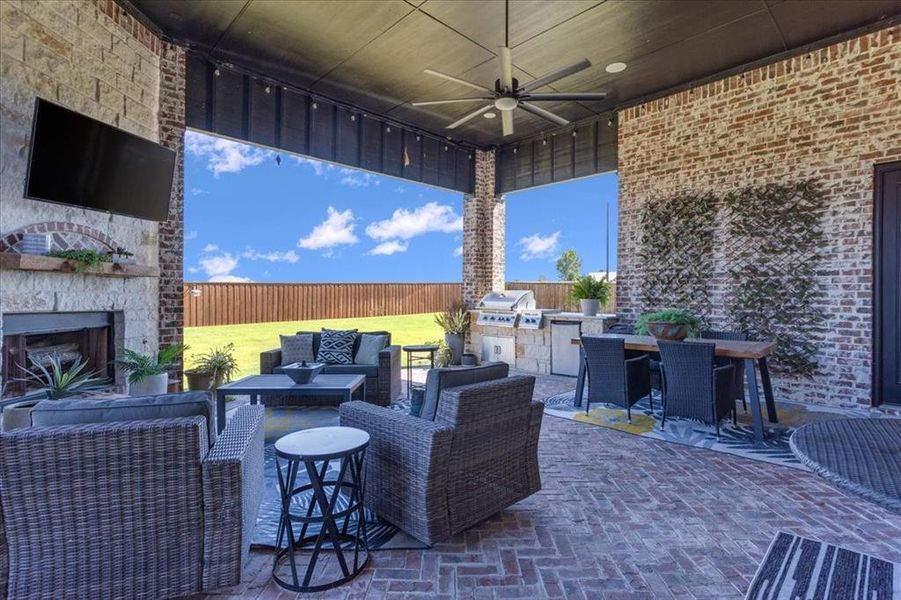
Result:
[{"x": 619, "y": 516}]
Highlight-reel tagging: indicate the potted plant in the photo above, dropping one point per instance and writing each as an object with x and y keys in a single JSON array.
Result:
[
  {"x": 148, "y": 373},
  {"x": 121, "y": 256},
  {"x": 591, "y": 293},
  {"x": 455, "y": 323},
  {"x": 669, "y": 324},
  {"x": 212, "y": 369},
  {"x": 85, "y": 260},
  {"x": 56, "y": 382}
]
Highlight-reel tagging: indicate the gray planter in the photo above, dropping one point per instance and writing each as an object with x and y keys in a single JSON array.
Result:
[
  {"x": 455, "y": 342},
  {"x": 17, "y": 415},
  {"x": 590, "y": 308},
  {"x": 150, "y": 386}
]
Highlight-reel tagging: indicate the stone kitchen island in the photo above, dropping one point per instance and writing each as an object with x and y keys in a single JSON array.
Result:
[{"x": 545, "y": 350}]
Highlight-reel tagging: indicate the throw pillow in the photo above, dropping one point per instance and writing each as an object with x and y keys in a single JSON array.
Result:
[
  {"x": 370, "y": 346},
  {"x": 297, "y": 348},
  {"x": 336, "y": 347}
]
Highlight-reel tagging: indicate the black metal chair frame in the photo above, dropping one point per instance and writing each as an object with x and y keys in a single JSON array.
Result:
[
  {"x": 616, "y": 380},
  {"x": 738, "y": 381}
]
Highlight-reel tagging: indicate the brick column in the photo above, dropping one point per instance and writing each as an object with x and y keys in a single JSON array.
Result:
[
  {"x": 484, "y": 221},
  {"x": 172, "y": 231}
]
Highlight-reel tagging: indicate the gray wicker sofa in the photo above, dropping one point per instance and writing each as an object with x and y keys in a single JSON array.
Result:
[
  {"x": 128, "y": 509},
  {"x": 383, "y": 382},
  {"x": 434, "y": 479}
]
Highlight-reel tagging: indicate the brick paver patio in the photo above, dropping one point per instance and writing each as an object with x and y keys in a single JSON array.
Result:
[{"x": 620, "y": 516}]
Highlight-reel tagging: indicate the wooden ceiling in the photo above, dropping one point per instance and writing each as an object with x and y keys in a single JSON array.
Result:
[{"x": 372, "y": 54}]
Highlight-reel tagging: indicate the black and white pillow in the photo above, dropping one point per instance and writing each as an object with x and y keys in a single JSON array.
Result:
[
  {"x": 297, "y": 348},
  {"x": 336, "y": 347}
]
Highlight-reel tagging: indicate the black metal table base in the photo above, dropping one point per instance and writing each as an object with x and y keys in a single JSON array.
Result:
[{"x": 322, "y": 511}]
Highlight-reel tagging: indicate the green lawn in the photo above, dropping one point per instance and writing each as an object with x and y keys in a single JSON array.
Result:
[{"x": 250, "y": 340}]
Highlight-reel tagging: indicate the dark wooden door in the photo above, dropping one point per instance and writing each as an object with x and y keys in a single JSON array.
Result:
[{"x": 887, "y": 300}]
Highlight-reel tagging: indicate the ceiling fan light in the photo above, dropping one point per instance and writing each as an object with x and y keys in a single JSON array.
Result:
[
  {"x": 617, "y": 67},
  {"x": 505, "y": 103}
]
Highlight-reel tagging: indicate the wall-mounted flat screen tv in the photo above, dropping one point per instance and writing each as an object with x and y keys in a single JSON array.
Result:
[{"x": 78, "y": 160}]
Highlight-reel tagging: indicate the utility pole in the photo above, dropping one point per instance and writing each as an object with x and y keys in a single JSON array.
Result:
[{"x": 607, "y": 237}]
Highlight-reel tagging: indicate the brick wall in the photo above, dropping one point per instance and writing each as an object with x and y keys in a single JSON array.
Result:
[
  {"x": 484, "y": 222},
  {"x": 831, "y": 115}
]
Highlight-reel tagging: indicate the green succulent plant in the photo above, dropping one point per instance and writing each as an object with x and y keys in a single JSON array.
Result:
[
  {"x": 587, "y": 287},
  {"x": 85, "y": 260},
  {"x": 58, "y": 382},
  {"x": 219, "y": 363},
  {"x": 669, "y": 315},
  {"x": 454, "y": 320},
  {"x": 141, "y": 366}
]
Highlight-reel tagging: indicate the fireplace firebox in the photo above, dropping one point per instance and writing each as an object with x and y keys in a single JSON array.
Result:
[{"x": 34, "y": 338}]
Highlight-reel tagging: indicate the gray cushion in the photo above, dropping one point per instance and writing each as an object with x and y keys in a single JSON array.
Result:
[
  {"x": 336, "y": 346},
  {"x": 88, "y": 410},
  {"x": 367, "y": 370},
  {"x": 297, "y": 348},
  {"x": 369, "y": 347},
  {"x": 438, "y": 380},
  {"x": 317, "y": 336}
]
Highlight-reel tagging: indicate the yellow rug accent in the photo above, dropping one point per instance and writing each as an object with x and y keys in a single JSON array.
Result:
[{"x": 615, "y": 418}]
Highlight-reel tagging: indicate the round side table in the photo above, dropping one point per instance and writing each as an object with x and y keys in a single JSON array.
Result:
[
  {"x": 421, "y": 353},
  {"x": 313, "y": 450}
]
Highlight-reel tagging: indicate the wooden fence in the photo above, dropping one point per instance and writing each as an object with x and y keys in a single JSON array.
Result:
[{"x": 238, "y": 303}]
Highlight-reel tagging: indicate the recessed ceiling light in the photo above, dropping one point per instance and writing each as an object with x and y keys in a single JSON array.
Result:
[
  {"x": 616, "y": 67},
  {"x": 489, "y": 115}
]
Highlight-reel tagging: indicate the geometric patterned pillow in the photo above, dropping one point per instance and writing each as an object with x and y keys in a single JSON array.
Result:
[
  {"x": 336, "y": 347},
  {"x": 297, "y": 348}
]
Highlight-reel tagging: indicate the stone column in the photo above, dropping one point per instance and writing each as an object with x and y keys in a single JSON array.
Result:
[
  {"x": 484, "y": 221},
  {"x": 172, "y": 231}
]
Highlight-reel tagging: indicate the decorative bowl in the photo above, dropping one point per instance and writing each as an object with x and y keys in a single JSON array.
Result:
[
  {"x": 664, "y": 330},
  {"x": 303, "y": 372}
]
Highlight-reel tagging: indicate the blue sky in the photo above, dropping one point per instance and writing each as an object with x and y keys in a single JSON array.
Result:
[{"x": 247, "y": 218}]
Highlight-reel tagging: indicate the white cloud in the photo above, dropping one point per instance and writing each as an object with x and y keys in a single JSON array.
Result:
[
  {"x": 191, "y": 235},
  {"x": 353, "y": 178},
  {"x": 405, "y": 224},
  {"x": 273, "y": 256},
  {"x": 336, "y": 230},
  {"x": 193, "y": 269},
  {"x": 210, "y": 248},
  {"x": 458, "y": 251},
  {"x": 400, "y": 190},
  {"x": 390, "y": 247},
  {"x": 224, "y": 156},
  {"x": 229, "y": 279},
  {"x": 197, "y": 191},
  {"x": 317, "y": 165},
  {"x": 537, "y": 246},
  {"x": 218, "y": 265}
]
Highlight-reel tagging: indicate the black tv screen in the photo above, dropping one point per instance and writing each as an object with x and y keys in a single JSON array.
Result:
[{"x": 78, "y": 160}]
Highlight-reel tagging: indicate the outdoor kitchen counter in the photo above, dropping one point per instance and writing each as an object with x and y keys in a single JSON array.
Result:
[{"x": 529, "y": 349}]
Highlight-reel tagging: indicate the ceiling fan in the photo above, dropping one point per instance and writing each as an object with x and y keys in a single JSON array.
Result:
[{"x": 508, "y": 95}]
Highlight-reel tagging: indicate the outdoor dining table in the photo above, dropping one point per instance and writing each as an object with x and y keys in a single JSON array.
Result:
[{"x": 752, "y": 354}]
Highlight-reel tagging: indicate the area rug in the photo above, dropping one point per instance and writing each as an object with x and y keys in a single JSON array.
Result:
[
  {"x": 734, "y": 439},
  {"x": 798, "y": 567},
  {"x": 283, "y": 420}
]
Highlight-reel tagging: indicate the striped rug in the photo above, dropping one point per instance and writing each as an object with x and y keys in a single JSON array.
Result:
[{"x": 798, "y": 567}]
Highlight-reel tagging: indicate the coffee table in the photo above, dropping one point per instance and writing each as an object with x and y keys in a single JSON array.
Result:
[{"x": 342, "y": 386}]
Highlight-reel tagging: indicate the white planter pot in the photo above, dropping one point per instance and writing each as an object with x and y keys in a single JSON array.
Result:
[
  {"x": 150, "y": 386},
  {"x": 590, "y": 308},
  {"x": 17, "y": 415}
]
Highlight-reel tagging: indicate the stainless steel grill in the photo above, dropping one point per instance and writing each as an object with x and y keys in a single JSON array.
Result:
[
  {"x": 511, "y": 308},
  {"x": 510, "y": 300}
]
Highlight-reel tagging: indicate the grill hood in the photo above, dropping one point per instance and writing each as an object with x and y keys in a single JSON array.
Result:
[{"x": 511, "y": 300}]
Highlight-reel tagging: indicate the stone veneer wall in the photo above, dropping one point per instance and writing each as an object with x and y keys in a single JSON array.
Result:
[
  {"x": 484, "y": 222},
  {"x": 830, "y": 115},
  {"x": 93, "y": 57}
]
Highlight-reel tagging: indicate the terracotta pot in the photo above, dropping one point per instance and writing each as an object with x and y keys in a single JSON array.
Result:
[
  {"x": 664, "y": 330},
  {"x": 198, "y": 381},
  {"x": 150, "y": 386},
  {"x": 17, "y": 415},
  {"x": 590, "y": 307}
]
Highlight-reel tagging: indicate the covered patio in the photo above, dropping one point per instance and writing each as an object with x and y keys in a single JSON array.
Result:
[{"x": 757, "y": 151}]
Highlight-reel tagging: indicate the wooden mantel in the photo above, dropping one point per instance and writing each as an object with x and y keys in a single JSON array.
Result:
[{"x": 10, "y": 261}]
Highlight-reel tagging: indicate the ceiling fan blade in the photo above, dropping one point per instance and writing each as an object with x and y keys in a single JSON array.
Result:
[
  {"x": 552, "y": 77},
  {"x": 507, "y": 122},
  {"x": 578, "y": 96},
  {"x": 469, "y": 116},
  {"x": 505, "y": 59},
  {"x": 544, "y": 114},
  {"x": 454, "y": 101},
  {"x": 474, "y": 86}
]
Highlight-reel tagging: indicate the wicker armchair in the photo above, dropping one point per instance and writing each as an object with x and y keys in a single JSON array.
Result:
[
  {"x": 434, "y": 479},
  {"x": 738, "y": 372},
  {"x": 129, "y": 509},
  {"x": 693, "y": 386},
  {"x": 613, "y": 378}
]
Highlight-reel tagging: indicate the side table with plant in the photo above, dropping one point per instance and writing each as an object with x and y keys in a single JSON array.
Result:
[
  {"x": 669, "y": 324},
  {"x": 455, "y": 323},
  {"x": 212, "y": 369},
  {"x": 148, "y": 373},
  {"x": 591, "y": 294}
]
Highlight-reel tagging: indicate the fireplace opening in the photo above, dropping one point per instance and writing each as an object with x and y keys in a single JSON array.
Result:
[{"x": 35, "y": 338}]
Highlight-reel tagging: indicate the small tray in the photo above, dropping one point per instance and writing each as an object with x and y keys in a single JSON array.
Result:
[{"x": 303, "y": 373}]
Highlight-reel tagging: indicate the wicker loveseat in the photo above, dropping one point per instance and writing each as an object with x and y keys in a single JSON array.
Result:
[
  {"x": 382, "y": 381},
  {"x": 128, "y": 509},
  {"x": 434, "y": 479}
]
